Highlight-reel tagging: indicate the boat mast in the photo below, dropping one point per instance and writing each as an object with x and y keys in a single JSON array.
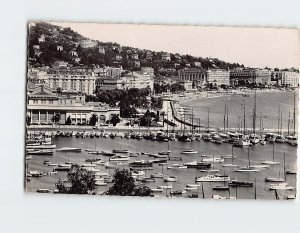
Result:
[
  {"x": 232, "y": 154},
  {"x": 168, "y": 120},
  {"x": 289, "y": 123},
  {"x": 254, "y": 113},
  {"x": 278, "y": 121},
  {"x": 244, "y": 117},
  {"x": 199, "y": 126},
  {"x": 224, "y": 118},
  {"x": 249, "y": 157},
  {"x": 260, "y": 124},
  {"x": 294, "y": 113},
  {"x": 227, "y": 118},
  {"x": 273, "y": 150},
  {"x": 208, "y": 120},
  {"x": 183, "y": 122},
  {"x": 192, "y": 121},
  {"x": 281, "y": 122},
  {"x": 180, "y": 124}
]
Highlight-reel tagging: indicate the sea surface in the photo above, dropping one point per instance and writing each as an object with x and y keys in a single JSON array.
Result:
[
  {"x": 258, "y": 153},
  {"x": 267, "y": 107}
]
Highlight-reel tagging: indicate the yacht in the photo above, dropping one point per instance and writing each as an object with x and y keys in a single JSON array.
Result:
[
  {"x": 92, "y": 160},
  {"x": 254, "y": 139},
  {"x": 230, "y": 165},
  {"x": 212, "y": 178},
  {"x": 218, "y": 197},
  {"x": 242, "y": 143},
  {"x": 41, "y": 146},
  {"x": 206, "y": 137},
  {"x": 273, "y": 179},
  {"x": 192, "y": 185},
  {"x": 137, "y": 173},
  {"x": 119, "y": 158},
  {"x": 107, "y": 153},
  {"x": 40, "y": 152},
  {"x": 161, "y": 156},
  {"x": 165, "y": 186},
  {"x": 43, "y": 190},
  {"x": 121, "y": 151},
  {"x": 291, "y": 172},
  {"x": 228, "y": 156},
  {"x": 263, "y": 142},
  {"x": 197, "y": 164},
  {"x": 158, "y": 189},
  {"x": 170, "y": 179},
  {"x": 260, "y": 166},
  {"x": 270, "y": 137},
  {"x": 213, "y": 160},
  {"x": 177, "y": 192},
  {"x": 157, "y": 175},
  {"x": 164, "y": 152},
  {"x": 141, "y": 163},
  {"x": 292, "y": 140},
  {"x": 279, "y": 139},
  {"x": 190, "y": 188},
  {"x": 269, "y": 162},
  {"x": 69, "y": 149},
  {"x": 189, "y": 151},
  {"x": 148, "y": 179},
  {"x": 221, "y": 187},
  {"x": 177, "y": 166},
  {"x": 236, "y": 183},
  {"x": 247, "y": 169},
  {"x": 281, "y": 186}
]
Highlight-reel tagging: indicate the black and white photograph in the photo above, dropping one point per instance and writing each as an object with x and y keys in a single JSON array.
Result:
[{"x": 161, "y": 111}]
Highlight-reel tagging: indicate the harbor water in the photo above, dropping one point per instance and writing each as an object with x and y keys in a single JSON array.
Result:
[
  {"x": 267, "y": 108},
  {"x": 258, "y": 153}
]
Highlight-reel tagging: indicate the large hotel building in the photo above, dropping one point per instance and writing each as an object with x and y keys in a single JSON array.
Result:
[
  {"x": 74, "y": 79},
  {"x": 243, "y": 76},
  {"x": 201, "y": 77},
  {"x": 287, "y": 78},
  {"x": 136, "y": 79}
]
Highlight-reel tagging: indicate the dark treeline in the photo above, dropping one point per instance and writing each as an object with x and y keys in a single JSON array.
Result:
[
  {"x": 127, "y": 100},
  {"x": 174, "y": 88}
]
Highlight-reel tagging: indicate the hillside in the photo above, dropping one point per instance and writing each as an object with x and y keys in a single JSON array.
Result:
[{"x": 48, "y": 43}]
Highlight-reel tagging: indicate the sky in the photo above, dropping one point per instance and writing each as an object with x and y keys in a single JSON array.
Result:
[{"x": 253, "y": 47}]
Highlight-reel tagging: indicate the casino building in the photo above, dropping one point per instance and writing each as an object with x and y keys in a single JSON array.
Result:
[{"x": 43, "y": 103}]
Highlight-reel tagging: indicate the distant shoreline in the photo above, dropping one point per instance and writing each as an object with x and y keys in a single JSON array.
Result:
[{"x": 209, "y": 95}]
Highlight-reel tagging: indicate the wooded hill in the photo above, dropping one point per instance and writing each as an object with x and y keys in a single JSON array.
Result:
[{"x": 48, "y": 43}]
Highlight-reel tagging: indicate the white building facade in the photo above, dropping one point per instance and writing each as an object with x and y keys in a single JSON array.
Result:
[{"x": 73, "y": 79}]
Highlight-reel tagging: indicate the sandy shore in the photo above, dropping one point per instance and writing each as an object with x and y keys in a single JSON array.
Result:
[{"x": 208, "y": 95}]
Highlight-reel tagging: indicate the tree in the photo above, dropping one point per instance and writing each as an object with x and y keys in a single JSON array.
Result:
[
  {"x": 93, "y": 119},
  {"x": 115, "y": 119},
  {"x": 156, "y": 103},
  {"x": 68, "y": 121},
  {"x": 123, "y": 185},
  {"x": 79, "y": 181},
  {"x": 177, "y": 87},
  {"x": 56, "y": 117}
]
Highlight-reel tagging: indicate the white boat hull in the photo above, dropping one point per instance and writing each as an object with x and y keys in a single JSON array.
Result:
[{"x": 270, "y": 162}]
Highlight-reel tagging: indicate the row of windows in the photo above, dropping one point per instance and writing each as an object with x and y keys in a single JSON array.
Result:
[{"x": 43, "y": 101}]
